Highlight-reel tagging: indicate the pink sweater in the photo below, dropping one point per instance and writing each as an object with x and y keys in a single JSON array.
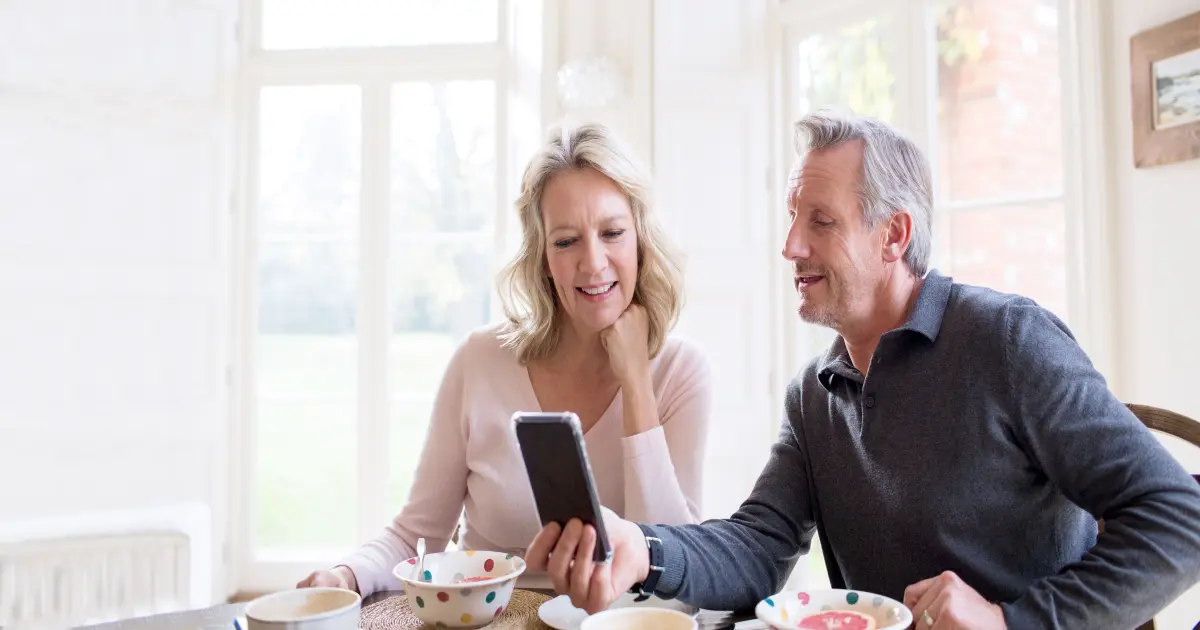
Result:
[{"x": 471, "y": 463}]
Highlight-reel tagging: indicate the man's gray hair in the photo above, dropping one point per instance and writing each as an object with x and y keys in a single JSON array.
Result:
[{"x": 895, "y": 174}]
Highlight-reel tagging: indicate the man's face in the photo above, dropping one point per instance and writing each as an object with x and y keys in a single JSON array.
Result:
[{"x": 836, "y": 258}]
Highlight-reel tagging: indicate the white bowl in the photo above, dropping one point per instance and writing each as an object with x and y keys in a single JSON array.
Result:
[
  {"x": 440, "y": 599},
  {"x": 316, "y": 608},
  {"x": 787, "y": 608}
]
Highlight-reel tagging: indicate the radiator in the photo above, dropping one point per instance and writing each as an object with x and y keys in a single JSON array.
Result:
[{"x": 91, "y": 568}]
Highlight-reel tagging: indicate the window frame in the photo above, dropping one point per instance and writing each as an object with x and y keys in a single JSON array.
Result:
[
  {"x": 1090, "y": 273},
  {"x": 374, "y": 70}
]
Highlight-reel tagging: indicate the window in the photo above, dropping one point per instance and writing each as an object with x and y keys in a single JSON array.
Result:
[
  {"x": 443, "y": 205},
  {"x": 307, "y": 343},
  {"x": 977, "y": 84},
  {"x": 374, "y": 180},
  {"x": 300, "y": 24},
  {"x": 851, "y": 67},
  {"x": 999, "y": 184}
]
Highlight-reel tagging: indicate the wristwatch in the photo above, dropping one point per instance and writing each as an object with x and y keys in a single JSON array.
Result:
[{"x": 644, "y": 590}]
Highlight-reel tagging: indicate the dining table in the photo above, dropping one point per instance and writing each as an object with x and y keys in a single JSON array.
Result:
[{"x": 379, "y": 612}]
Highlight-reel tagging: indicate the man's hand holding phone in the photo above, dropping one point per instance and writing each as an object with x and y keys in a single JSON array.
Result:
[
  {"x": 589, "y": 552},
  {"x": 566, "y": 554}
]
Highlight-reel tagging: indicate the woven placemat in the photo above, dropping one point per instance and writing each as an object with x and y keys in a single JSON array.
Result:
[{"x": 394, "y": 613}]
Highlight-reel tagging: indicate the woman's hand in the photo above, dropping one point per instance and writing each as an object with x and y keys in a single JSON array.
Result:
[
  {"x": 338, "y": 577},
  {"x": 627, "y": 343}
]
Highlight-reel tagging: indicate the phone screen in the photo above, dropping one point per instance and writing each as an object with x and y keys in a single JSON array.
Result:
[{"x": 556, "y": 463}]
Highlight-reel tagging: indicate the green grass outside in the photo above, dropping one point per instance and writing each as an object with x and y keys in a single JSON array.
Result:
[{"x": 306, "y": 456}]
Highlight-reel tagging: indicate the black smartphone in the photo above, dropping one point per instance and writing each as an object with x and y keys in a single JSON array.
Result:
[{"x": 559, "y": 473}]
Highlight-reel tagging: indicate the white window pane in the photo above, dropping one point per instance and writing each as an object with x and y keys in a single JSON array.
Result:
[
  {"x": 309, "y": 160},
  {"x": 850, "y": 69},
  {"x": 1015, "y": 249},
  {"x": 999, "y": 99},
  {"x": 306, "y": 319},
  {"x": 443, "y": 156},
  {"x": 440, "y": 292},
  {"x": 296, "y": 24},
  {"x": 306, "y": 481},
  {"x": 443, "y": 202},
  {"x": 306, "y": 349}
]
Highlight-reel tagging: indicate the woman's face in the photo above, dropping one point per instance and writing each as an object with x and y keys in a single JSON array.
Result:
[{"x": 591, "y": 247}]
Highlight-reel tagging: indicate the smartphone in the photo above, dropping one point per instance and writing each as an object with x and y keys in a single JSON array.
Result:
[{"x": 559, "y": 473}]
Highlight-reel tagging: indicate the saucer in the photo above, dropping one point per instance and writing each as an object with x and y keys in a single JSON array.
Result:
[{"x": 558, "y": 613}]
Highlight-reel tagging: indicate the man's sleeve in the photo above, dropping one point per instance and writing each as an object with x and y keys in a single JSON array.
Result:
[
  {"x": 732, "y": 564},
  {"x": 1107, "y": 462}
]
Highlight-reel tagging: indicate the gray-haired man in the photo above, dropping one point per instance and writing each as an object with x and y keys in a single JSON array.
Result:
[{"x": 954, "y": 447}]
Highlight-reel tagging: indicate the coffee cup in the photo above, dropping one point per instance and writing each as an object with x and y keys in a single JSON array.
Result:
[{"x": 316, "y": 608}]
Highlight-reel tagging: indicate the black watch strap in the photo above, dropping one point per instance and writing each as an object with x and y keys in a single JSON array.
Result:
[{"x": 645, "y": 590}]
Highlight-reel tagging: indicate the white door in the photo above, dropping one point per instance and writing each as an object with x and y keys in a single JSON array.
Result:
[{"x": 711, "y": 167}]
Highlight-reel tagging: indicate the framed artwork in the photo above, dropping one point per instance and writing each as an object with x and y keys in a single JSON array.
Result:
[{"x": 1165, "y": 72}]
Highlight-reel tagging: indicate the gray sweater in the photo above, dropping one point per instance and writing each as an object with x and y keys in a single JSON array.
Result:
[{"x": 981, "y": 441}]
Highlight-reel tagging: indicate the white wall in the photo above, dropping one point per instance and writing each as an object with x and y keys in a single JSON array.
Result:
[
  {"x": 619, "y": 30},
  {"x": 712, "y": 159},
  {"x": 1156, "y": 216},
  {"x": 112, "y": 265}
]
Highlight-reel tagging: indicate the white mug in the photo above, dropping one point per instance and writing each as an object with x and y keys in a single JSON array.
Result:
[
  {"x": 640, "y": 618},
  {"x": 316, "y": 608}
]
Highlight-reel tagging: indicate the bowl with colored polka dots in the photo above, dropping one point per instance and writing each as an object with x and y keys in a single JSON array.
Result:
[
  {"x": 460, "y": 589},
  {"x": 822, "y": 609}
]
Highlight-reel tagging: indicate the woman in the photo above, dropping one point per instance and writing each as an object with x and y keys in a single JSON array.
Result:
[{"x": 589, "y": 299}]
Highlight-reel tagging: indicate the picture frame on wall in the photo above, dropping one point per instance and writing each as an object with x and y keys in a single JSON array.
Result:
[{"x": 1165, "y": 73}]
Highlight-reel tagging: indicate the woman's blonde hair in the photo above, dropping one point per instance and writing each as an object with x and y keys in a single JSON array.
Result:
[{"x": 534, "y": 321}]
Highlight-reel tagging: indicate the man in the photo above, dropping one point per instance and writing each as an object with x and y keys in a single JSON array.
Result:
[{"x": 954, "y": 447}]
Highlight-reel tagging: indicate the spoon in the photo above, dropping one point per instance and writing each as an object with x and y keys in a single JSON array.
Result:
[{"x": 421, "y": 560}]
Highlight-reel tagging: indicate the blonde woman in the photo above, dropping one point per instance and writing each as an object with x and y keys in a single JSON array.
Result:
[{"x": 590, "y": 300}]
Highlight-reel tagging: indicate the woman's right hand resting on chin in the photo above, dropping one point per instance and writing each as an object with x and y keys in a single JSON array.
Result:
[{"x": 339, "y": 577}]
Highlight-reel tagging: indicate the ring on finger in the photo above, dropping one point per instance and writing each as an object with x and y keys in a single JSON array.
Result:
[{"x": 927, "y": 618}]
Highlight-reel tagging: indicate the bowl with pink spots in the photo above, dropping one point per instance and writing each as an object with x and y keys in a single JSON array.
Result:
[
  {"x": 460, "y": 589},
  {"x": 832, "y": 609}
]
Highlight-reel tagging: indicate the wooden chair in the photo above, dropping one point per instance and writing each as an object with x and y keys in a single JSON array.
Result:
[{"x": 1170, "y": 423}]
